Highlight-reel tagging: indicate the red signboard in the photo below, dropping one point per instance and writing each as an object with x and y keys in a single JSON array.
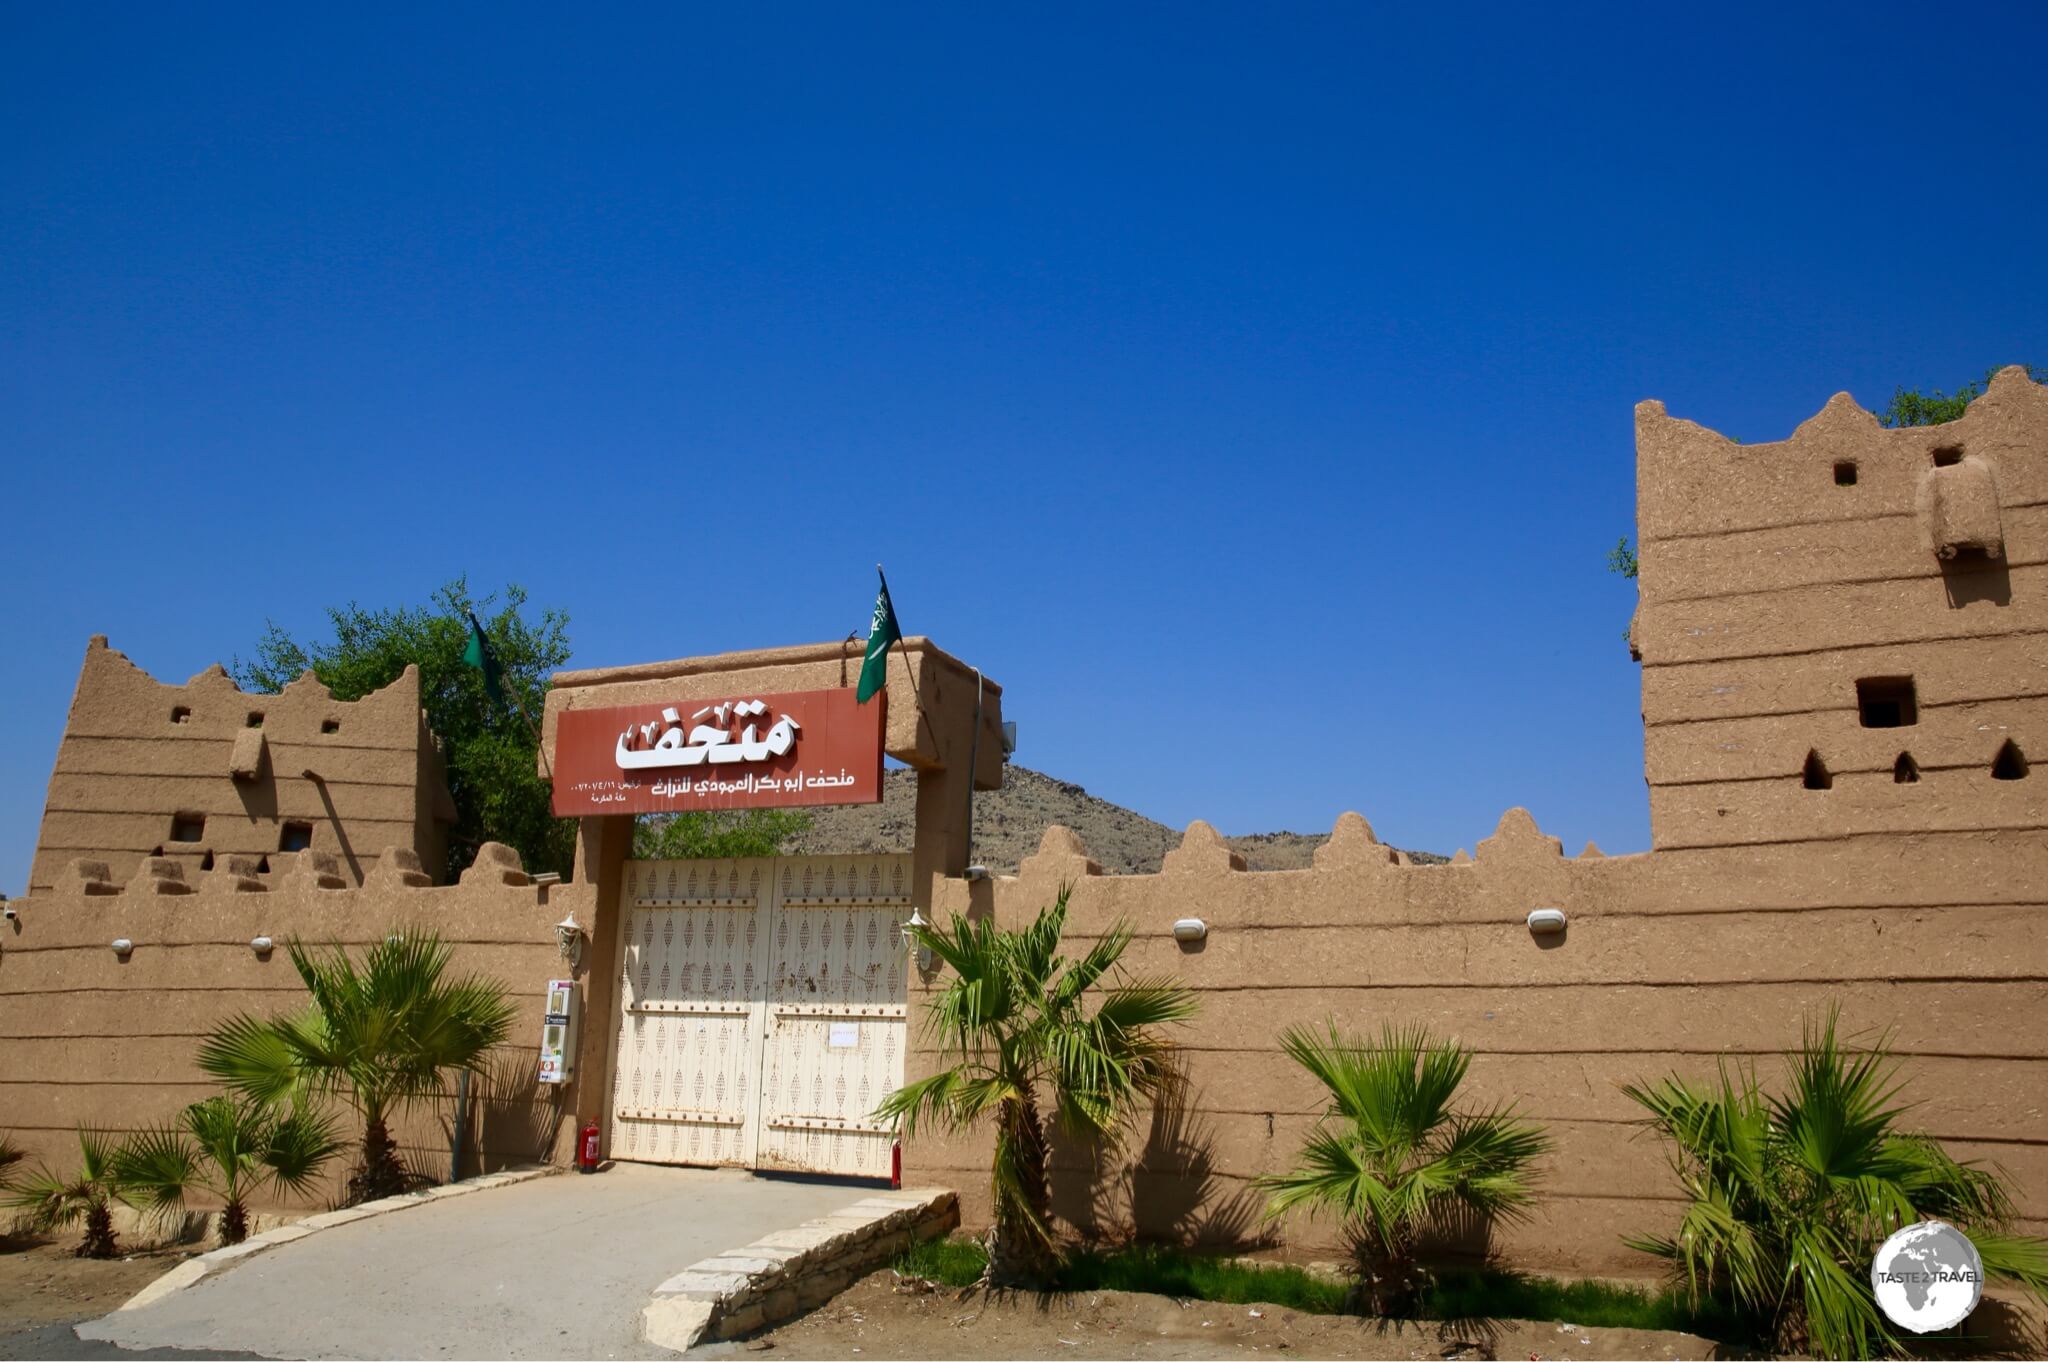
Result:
[{"x": 741, "y": 751}]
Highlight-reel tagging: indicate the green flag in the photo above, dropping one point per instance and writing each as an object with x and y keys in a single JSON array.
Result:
[
  {"x": 477, "y": 653},
  {"x": 874, "y": 672}
]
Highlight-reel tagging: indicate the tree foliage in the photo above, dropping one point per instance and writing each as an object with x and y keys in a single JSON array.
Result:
[
  {"x": 718, "y": 833},
  {"x": 379, "y": 1034},
  {"x": 1933, "y": 407},
  {"x": 489, "y": 749},
  {"x": 1014, "y": 1022},
  {"x": 1621, "y": 559},
  {"x": 1789, "y": 1196},
  {"x": 1392, "y": 1157}
]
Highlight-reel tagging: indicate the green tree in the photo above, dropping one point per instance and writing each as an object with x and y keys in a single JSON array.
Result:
[
  {"x": 1621, "y": 559},
  {"x": 1933, "y": 407},
  {"x": 379, "y": 1036},
  {"x": 718, "y": 833},
  {"x": 229, "y": 1149},
  {"x": 56, "y": 1201},
  {"x": 1014, "y": 1022},
  {"x": 1392, "y": 1157},
  {"x": 1789, "y": 1196},
  {"x": 489, "y": 749}
]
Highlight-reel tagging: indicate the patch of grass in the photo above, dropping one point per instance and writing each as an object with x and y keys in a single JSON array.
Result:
[
  {"x": 1171, "y": 1272},
  {"x": 1454, "y": 1293},
  {"x": 1489, "y": 1293},
  {"x": 949, "y": 1262}
]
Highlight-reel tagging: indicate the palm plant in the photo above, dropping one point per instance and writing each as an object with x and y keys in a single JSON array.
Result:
[
  {"x": 10, "y": 1155},
  {"x": 56, "y": 1201},
  {"x": 379, "y": 1035},
  {"x": 1013, "y": 1022},
  {"x": 1789, "y": 1197},
  {"x": 1392, "y": 1158},
  {"x": 230, "y": 1149}
]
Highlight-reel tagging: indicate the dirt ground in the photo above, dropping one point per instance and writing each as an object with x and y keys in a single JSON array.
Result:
[
  {"x": 42, "y": 1282},
  {"x": 876, "y": 1318}
]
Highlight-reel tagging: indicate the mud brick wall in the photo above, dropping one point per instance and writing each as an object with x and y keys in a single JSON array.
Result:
[{"x": 93, "y": 1039}]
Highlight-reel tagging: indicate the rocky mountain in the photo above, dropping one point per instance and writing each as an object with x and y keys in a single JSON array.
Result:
[{"x": 1008, "y": 824}]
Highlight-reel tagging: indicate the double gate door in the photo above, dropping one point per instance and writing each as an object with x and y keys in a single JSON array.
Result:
[{"x": 764, "y": 1013}]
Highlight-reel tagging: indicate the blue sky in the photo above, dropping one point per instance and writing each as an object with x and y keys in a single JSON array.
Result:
[{"x": 1247, "y": 389}]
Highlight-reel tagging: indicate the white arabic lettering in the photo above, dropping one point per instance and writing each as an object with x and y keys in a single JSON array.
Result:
[{"x": 705, "y": 742}]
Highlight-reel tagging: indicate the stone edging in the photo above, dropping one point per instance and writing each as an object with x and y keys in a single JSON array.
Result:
[
  {"x": 782, "y": 1274},
  {"x": 194, "y": 1270}
]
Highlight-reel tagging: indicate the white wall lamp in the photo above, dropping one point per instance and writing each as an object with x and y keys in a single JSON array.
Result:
[
  {"x": 123, "y": 947},
  {"x": 262, "y": 945},
  {"x": 1546, "y": 921},
  {"x": 1190, "y": 929},
  {"x": 919, "y": 923},
  {"x": 569, "y": 939}
]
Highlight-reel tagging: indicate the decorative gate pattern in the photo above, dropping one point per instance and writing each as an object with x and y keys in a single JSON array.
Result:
[
  {"x": 764, "y": 1011},
  {"x": 837, "y": 1013}
]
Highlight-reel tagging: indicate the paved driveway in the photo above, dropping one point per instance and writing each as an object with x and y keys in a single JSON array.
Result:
[{"x": 557, "y": 1267}]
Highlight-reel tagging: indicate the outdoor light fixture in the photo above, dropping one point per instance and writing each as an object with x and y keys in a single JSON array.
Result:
[
  {"x": 918, "y": 922},
  {"x": 1190, "y": 929},
  {"x": 122, "y": 946},
  {"x": 261, "y": 945},
  {"x": 569, "y": 936},
  {"x": 975, "y": 872},
  {"x": 1546, "y": 921}
]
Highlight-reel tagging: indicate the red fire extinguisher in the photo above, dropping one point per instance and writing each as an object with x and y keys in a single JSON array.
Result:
[{"x": 587, "y": 1149}]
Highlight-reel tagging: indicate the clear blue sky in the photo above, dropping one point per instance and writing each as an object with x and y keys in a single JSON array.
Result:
[{"x": 1247, "y": 389}]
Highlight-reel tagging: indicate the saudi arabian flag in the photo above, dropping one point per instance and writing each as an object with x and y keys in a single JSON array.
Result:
[
  {"x": 874, "y": 672},
  {"x": 477, "y": 653}
]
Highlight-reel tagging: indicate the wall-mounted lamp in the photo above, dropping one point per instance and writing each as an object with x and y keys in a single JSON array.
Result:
[
  {"x": 569, "y": 938},
  {"x": 1546, "y": 921},
  {"x": 262, "y": 945},
  {"x": 1190, "y": 929},
  {"x": 919, "y": 923},
  {"x": 123, "y": 946}
]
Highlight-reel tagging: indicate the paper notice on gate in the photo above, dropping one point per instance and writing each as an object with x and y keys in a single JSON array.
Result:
[{"x": 845, "y": 1036}]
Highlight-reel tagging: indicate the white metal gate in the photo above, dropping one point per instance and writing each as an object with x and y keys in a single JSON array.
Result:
[{"x": 764, "y": 1011}]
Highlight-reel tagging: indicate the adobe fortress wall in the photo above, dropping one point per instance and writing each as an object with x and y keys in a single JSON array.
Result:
[
  {"x": 1844, "y": 642},
  {"x": 1671, "y": 962},
  {"x": 203, "y": 771},
  {"x": 110, "y": 1041}
]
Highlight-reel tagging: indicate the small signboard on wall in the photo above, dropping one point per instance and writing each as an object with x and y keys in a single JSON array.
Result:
[{"x": 740, "y": 752}]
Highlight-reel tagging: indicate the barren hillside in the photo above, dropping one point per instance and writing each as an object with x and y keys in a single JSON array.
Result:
[{"x": 1009, "y": 822}]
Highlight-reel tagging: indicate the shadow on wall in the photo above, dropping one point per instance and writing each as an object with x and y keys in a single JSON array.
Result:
[
  {"x": 1974, "y": 575},
  {"x": 511, "y": 1118},
  {"x": 1173, "y": 1193}
]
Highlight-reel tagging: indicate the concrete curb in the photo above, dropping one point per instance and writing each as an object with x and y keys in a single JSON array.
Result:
[
  {"x": 790, "y": 1271},
  {"x": 195, "y": 1270}
]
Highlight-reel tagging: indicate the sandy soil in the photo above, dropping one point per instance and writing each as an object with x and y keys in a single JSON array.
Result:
[
  {"x": 877, "y": 1318},
  {"x": 41, "y": 1282}
]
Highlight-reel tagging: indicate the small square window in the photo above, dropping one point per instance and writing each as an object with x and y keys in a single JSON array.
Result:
[
  {"x": 1948, "y": 456},
  {"x": 181, "y": 714},
  {"x": 330, "y": 725},
  {"x": 188, "y": 827},
  {"x": 255, "y": 718},
  {"x": 1845, "y": 473},
  {"x": 295, "y": 837},
  {"x": 1887, "y": 702}
]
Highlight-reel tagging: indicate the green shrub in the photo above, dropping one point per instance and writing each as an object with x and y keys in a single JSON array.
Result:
[{"x": 1789, "y": 1196}]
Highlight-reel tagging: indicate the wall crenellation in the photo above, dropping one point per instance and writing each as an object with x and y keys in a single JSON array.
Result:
[
  {"x": 204, "y": 771},
  {"x": 1841, "y": 633}
]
